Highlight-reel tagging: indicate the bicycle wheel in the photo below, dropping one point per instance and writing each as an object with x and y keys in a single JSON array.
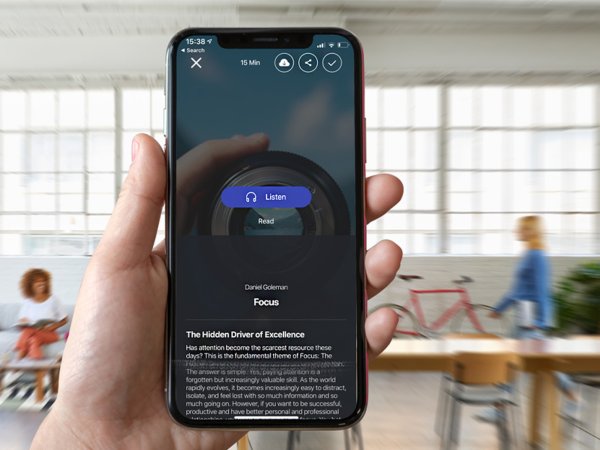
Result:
[
  {"x": 463, "y": 323},
  {"x": 408, "y": 324}
]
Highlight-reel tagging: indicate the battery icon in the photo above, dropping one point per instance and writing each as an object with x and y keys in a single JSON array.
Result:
[{"x": 343, "y": 44}]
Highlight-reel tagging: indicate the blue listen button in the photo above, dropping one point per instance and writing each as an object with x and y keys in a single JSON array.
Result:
[{"x": 266, "y": 196}]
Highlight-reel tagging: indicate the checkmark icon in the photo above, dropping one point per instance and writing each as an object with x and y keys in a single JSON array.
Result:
[{"x": 332, "y": 62}]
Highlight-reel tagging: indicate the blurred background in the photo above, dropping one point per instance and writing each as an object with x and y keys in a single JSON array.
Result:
[{"x": 487, "y": 111}]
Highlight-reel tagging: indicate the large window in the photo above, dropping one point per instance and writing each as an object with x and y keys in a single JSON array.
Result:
[
  {"x": 475, "y": 158},
  {"x": 403, "y": 132},
  {"x": 63, "y": 155}
]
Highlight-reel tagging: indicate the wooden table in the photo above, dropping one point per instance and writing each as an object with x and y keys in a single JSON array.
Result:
[
  {"x": 243, "y": 443},
  {"x": 40, "y": 368},
  {"x": 538, "y": 358}
]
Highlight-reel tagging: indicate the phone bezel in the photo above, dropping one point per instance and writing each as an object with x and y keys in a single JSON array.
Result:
[{"x": 361, "y": 369}]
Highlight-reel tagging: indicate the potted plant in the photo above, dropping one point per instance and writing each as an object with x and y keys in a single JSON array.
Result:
[{"x": 577, "y": 300}]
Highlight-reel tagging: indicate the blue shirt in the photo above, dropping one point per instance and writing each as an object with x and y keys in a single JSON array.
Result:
[{"x": 532, "y": 282}]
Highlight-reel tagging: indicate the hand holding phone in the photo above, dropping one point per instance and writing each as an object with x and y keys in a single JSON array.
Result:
[{"x": 121, "y": 315}]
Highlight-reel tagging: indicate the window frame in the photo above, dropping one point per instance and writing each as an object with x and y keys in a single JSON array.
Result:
[
  {"x": 378, "y": 80},
  {"x": 88, "y": 236},
  {"x": 445, "y": 83}
]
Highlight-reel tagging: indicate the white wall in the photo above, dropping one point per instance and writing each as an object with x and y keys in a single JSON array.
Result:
[
  {"x": 468, "y": 52},
  {"x": 83, "y": 55},
  {"x": 409, "y": 52}
]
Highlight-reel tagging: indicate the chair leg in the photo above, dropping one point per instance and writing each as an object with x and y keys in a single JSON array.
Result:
[
  {"x": 589, "y": 417},
  {"x": 500, "y": 436},
  {"x": 441, "y": 405},
  {"x": 357, "y": 430},
  {"x": 39, "y": 385},
  {"x": 504, "y": 438},
  {"x": 592, "y": 417},
  {"x": 54, "y": 380},
  {"x": 291, "y": 440},
  {"x": 594, "y": 424},
  {"x": 516, "y": 435},
  {"x": 576, "y": 433},
  {"x": 510, "y": 427},
  {"x": 447, "y": 424},
  {"x": 517, "y": 418},
  {"x": 347, "y": 440},
  {"x": 455, "y": 430}
]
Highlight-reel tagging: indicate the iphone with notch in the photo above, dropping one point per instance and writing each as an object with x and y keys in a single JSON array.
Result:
[{"x": 265, "y": 228}]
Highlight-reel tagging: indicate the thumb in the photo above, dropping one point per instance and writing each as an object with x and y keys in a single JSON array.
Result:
[{"x": 131, "y": 230}]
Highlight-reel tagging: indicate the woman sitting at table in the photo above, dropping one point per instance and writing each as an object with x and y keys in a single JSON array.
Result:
[
  {"x": 40, "y": 305},
  {"x": 530, "y": 297}
]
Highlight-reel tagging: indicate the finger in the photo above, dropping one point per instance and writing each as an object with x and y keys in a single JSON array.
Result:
[
  {"x": 200, "y": 163},
  {"x": 131, "y": 230},
  {"x": 379, "y": 328},
  {"x": 383, "y": 191},
  {"x": 381, "y": 266},
  {"x": 198, "y": 167},
  {"x": 160, "y": 249}
]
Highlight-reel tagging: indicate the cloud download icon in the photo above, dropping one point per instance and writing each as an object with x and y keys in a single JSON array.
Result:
[{"x": 284, "y": 62}]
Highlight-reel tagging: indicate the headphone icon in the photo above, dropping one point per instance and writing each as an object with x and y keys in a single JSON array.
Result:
[{"x": 251, "y": 195}]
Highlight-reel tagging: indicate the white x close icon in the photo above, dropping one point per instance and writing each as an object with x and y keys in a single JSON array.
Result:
[{"x": 196, "y": 63}]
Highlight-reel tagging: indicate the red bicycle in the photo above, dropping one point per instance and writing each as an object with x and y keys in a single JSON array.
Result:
[{"x": 462, "y": 316}]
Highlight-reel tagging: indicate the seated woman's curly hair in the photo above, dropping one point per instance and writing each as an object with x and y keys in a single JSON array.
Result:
[{"x": 30, "y": 277}]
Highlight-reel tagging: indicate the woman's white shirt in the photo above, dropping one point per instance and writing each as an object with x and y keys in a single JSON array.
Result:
[{"x": 51, "y": 309}]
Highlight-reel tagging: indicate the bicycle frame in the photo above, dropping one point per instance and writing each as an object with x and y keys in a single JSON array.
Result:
[{"x": 463, "y": 302}]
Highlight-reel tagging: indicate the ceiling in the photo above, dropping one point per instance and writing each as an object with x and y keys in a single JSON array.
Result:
[{"x": 135, "y": 17}]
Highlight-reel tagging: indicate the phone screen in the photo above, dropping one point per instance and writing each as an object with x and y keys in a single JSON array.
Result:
[{"x": 265, "y": 230}]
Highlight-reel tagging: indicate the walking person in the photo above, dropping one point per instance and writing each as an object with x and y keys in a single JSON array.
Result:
[{"x": 530, "y": 297}]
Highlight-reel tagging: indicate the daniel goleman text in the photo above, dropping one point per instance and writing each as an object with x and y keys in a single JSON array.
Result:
[{"x": 245, "y": 334}]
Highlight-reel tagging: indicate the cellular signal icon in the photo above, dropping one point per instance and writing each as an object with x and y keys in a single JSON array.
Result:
[{"x": 321, "y": 45}]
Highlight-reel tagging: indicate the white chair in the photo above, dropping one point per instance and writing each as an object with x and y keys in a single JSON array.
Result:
[{"x": 480, "y": 379}]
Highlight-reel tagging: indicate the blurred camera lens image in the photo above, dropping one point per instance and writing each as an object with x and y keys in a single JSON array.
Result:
[
  {"x": 326, "y": 214},
  {"x": 261, "y": 240}
]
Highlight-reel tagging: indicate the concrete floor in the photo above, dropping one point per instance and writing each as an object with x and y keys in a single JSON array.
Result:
[
  {"x": 18, "y": 428},
  {"x": 400, "y": 416}
]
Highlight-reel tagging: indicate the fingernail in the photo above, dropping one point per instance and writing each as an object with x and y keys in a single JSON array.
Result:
[
  {"x": 256, "y": 136},
  {"x": 135, "y": 146}
]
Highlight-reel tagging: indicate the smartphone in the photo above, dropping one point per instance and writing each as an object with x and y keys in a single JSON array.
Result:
[{"x": 265, "y": 228}]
